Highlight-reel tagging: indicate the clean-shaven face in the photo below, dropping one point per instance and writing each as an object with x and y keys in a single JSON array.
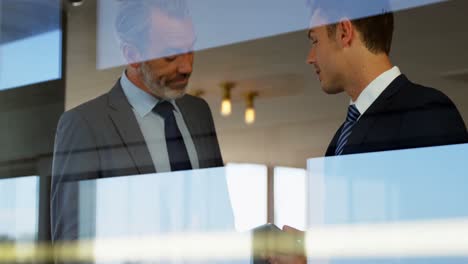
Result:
[{"x": 325, "y": 56}]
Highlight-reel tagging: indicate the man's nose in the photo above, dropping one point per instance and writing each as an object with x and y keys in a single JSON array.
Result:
[
  {"x": 185, "y": 63},
  {"x": 311, "y": 58}
]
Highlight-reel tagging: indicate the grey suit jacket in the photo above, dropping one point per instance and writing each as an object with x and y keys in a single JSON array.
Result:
[{"x": 101, "y": 138}]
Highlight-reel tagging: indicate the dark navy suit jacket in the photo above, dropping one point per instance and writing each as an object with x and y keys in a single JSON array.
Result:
[{"x": 405, "y": 115}]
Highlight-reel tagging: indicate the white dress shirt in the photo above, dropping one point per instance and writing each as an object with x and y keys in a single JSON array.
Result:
[
  {"x": 374, "y": 89},
  {"x": 152, "y": 126}
]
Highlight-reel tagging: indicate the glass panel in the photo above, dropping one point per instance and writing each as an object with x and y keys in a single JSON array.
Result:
[
  {"x": 26, "y": 28},
  {"x": 19, "y": 209},
  {"x": 395, "y": 206},
  {"x": 174, "y": 131},
  {"x": 247, "y": 185},
  {"x": 290, "y": 197},
  {"x": 220, "y": 23}
]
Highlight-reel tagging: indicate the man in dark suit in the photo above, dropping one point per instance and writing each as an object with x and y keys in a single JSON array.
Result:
[
  {"x": 387, "y": 111},
  {"x": 350, "y": 46},
  {"x": 145, "y": 123}
]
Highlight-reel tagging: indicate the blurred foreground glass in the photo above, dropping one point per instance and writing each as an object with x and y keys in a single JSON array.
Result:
[
  {"x": 19, "y": 208},
  {"x": 171, "y": 212},
  {"x": 244, "y": 20},
  {"x": 406, "y": 206},
  {"x": 290, "y": 197}
]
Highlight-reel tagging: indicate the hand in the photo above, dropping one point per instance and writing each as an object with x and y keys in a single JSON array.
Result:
[{"x": 289, "y": 259}]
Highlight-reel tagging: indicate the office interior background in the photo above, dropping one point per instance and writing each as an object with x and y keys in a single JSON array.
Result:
[{"x": 68, "y": 61}]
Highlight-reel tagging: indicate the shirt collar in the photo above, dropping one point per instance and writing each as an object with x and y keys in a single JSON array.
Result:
[
  {"x": 141, "y": 101},
  {"x": 375, "y": 88}
]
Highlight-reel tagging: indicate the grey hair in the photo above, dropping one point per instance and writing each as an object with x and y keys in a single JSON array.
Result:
[{"x": 133, "y": 19}]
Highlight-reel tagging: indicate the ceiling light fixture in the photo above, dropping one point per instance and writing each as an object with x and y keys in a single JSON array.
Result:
[
  {"x": 226, "y": 104},
  {"x": 250, "y": 110}
]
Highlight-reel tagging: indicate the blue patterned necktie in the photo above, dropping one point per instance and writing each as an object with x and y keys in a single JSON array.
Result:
[
  {"x": 178, "y": 155},
  {"x": 353, "y": 116}
]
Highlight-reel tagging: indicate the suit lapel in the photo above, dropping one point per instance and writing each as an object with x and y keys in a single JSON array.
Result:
[
  {"x": 123, "y": 118},
  {"x": 332, "y": 146},
  {"x": 364, "y": 125}
]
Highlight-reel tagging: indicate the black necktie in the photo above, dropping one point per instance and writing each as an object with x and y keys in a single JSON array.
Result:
[
  {"x": 351, "y": 118},
  {"x": 178, "y": 155}
]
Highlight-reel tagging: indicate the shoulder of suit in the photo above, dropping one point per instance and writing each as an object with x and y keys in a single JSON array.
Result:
[
  {"x": 419, "y": 95},
  {"x": 89, "y": 110},
  {"x": 92, "y": 105},
  {"x": 192, "y": 101}
]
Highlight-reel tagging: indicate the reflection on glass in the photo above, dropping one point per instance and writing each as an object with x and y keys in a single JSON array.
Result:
[
  {"x": 290, "y": 197},
  {"x": 401, "y": 185},
  {"x": 410, "y": 198},
  {"x": 207, "y": 206},
  {"x": 243, "y": 19},
  {"x": 186, "y": 201},
  {"x": 17, "y": 58},
  {"x": 30, "y": 42},
  {"x": 19, "y": 209},
  {"x": 217, "y": 199},
  {"x": 247, "y": 185},
  {"x": 390, "y": 189}
]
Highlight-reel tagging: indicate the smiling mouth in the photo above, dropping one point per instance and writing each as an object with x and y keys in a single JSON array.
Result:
[
  {"x": 181, "y": 81},
  {"x": 318, "y": 75},
  {"x": 317, "y": 70}
]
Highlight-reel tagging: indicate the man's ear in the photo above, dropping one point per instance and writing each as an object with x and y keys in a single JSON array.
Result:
[
  {"x": 345, "y": 32},
  {"x": 132, "y": 55}
]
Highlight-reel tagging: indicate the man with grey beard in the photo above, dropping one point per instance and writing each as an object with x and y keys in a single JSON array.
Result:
[{"x": 146, "y": 123}]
